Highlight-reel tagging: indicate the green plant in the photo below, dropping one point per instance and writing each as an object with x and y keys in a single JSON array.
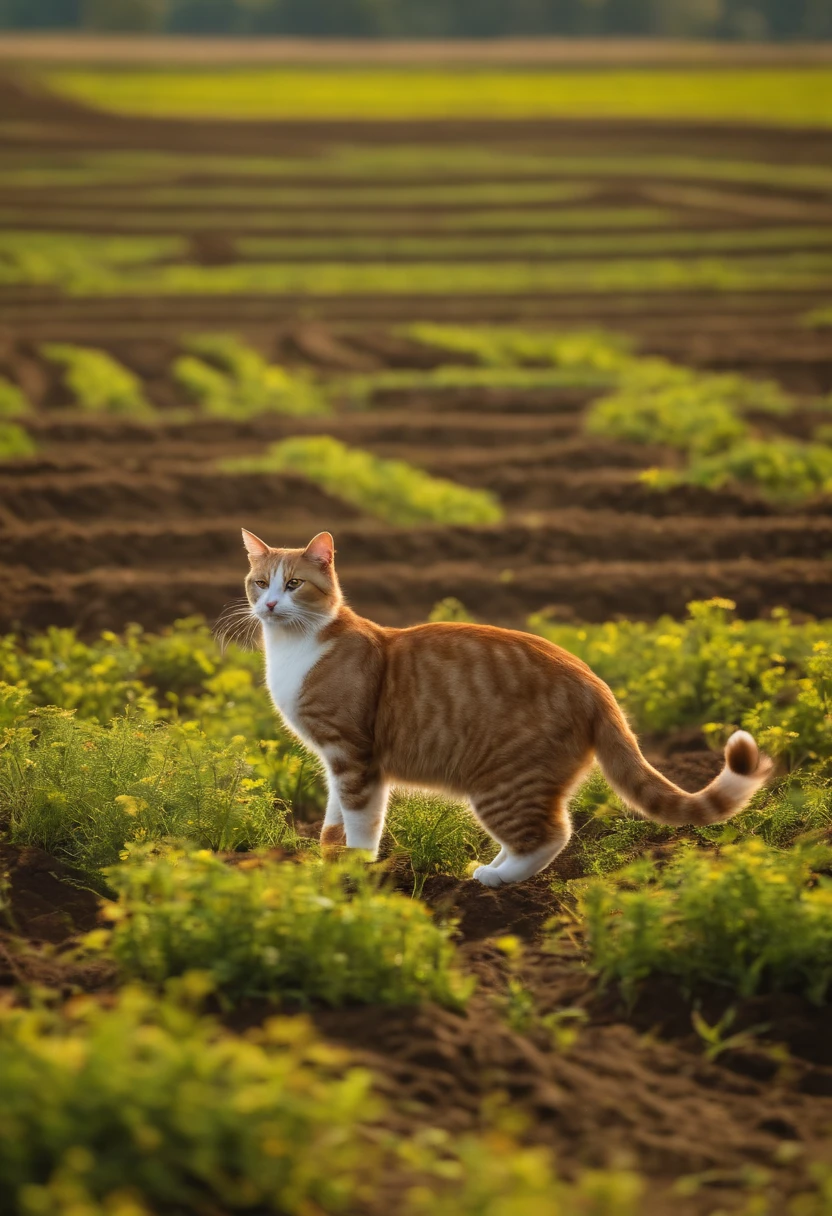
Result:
[
  {"x": 709, "y": 667},
  {"x": 450, "y": 609},
  {"x": 391, "y": 489},
  {"x": 144, "y": 1106},
  {"x": 436, "y": 834},
  {"x": 493, "y": 1175},
  {"x": 229, "y": 379},
  {"x": 15, "y": 442},
  {"x": 13, "y": 403},
  {"x": 83, "y": 791},
  {"x": 784, "y": 469},
  {"x": 752, "y": 918},
  {"x": 97, "y": 381},
  {"x": 298, "y": 932}
]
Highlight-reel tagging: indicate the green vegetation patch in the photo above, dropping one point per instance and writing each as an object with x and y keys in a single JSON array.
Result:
[
  {"x": 390, "y": 489},
  {"x": 77, "y": 262},
  {"x": 784, "y": 469},
  {"x": 705, "y": 416},
  {"x": 308, "y": 932},
  {"x": 776, "y": 271},
  {"x": 84, "y": 791},
  {"x": 768, "y": 95},
  {"x": 13, "y": 403},
  {"x": 437, "y": 835},
  {"x": 750, "y": 919},
  {"x": 15, "y": 442},
  {"x": 229, "y": 379},
  {"x": 144, "y": 1106},
  {"x": 98, "y": 382}
]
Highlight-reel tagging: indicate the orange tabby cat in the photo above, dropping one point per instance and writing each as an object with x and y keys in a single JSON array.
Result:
[{"x": 506, "y": 719}]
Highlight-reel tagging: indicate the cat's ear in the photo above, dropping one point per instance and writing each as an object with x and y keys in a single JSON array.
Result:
[
  {"x": 255, "y": 547},
  {"x": 321, "y": 550}
]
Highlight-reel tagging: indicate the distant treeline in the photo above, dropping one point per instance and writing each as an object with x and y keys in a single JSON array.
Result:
[{"x": 733, "y": 19}]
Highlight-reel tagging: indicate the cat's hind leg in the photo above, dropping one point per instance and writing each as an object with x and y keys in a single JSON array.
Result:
[
  {"x": 333, "y": 833},
  {"x": 530, "y": 835}
]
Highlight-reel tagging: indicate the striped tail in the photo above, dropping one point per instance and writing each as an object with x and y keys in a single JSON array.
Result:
[{"x": 650, "y": 794}]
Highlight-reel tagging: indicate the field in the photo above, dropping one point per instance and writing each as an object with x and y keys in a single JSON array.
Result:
[{"x": 531, "y": 366}]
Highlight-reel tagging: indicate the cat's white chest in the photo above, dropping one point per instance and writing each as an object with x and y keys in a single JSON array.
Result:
[{"x": 289, "y": 660}]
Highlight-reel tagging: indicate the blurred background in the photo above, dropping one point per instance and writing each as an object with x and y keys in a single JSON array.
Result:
[
  {"x": 732, "y": 19},
  {"x": 529, "y": 323}
]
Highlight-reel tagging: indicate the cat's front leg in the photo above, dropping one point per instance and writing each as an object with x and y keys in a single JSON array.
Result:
[{"x": 363, "y": 797}]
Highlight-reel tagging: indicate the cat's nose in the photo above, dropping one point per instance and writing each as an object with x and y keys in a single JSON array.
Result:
[{"x": 271, "y": 605}]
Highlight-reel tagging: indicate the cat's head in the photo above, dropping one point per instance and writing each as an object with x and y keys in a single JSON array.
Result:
[{"x": 293, "y": 588}]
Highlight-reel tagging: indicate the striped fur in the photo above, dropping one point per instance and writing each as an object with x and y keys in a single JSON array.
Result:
[{"x": 503, "y": 718}]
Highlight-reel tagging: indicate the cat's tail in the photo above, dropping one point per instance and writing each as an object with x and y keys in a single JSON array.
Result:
[{"x": 655, "y": 797}]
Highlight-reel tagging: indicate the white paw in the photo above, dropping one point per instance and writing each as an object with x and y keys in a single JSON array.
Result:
[{"x": 488, "y": 876}]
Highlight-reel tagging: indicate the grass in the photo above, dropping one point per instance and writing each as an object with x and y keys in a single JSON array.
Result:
[
  {"x": 770, "y": 95},
  {"x": 142, "y": 1105},
  {"x": 312, "y": 932},
  {"x": 229, "y": 379},
  {"x": 392, "y": 490},
  {"x": 751, "y": 919},
  {"x": 98, "y": 382}
]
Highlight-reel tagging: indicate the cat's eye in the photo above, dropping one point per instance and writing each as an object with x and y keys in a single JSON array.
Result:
[
  {"x": 260, "y": 582},
  {"x": 293, "y": 584}
]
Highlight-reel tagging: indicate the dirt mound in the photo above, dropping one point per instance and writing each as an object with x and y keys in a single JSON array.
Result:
[{"x": 48, "y": 901}]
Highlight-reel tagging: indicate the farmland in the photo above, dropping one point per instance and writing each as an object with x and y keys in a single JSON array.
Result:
[{"x": 531, "y": 366}]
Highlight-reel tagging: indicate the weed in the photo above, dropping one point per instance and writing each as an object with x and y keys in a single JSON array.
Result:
[
  {"x": 145, "y": 1103},
  {"x": 753, "y": 918},
  {"x": 229, "y": 379},
  {"x": 98, "y": 382},
  {"x": 295, "y": 932},
  {"x": 438, "y": 835},
  {"x": 390, "y": 489},
  {"x": 450, "y": 609},
  {"x": 83, "y": 791},
  {"x": 716, "y": 1040}
]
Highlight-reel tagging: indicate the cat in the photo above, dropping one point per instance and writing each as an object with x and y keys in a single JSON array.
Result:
[{"x": 503, "y": 718}]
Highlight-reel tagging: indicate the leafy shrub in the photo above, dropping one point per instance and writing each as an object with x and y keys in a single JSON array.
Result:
[
  {"x": 753, "y": 918},
  {"x": 83, "y": 791},
  {"x": 13, "y": 404},
  {"x": 438, "y": 835},
  {"x": 229, "y": 379},
  {"x": 784, "y": 469},
  {"x": 15, "y": 442},
  {"x": 300, "y": 932},
  {"x": 98, "y": 382},
  {"x": 390, "y": 489},
  {"x": 144, "y": 1103}
]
